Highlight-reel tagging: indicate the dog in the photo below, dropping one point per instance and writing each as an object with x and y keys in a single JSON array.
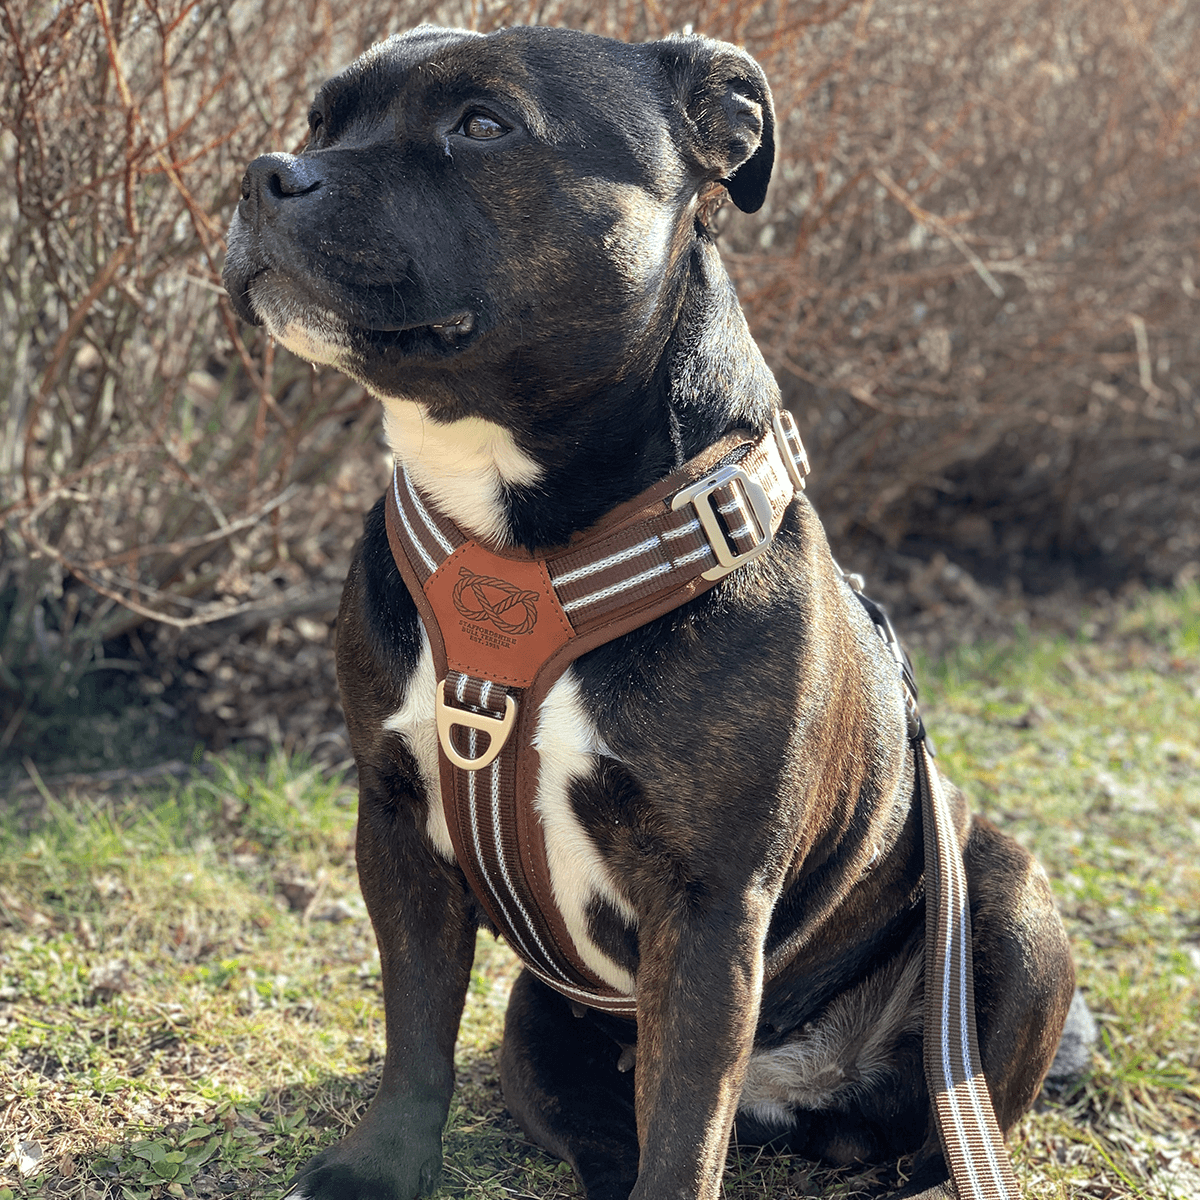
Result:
[{"x": 508, "y": 240}]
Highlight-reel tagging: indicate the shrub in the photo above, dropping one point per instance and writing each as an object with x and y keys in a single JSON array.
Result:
[{"x": 975, "y": 276}]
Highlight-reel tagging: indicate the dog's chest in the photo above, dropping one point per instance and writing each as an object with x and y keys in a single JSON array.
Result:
[{"x": 567, "y": 743}]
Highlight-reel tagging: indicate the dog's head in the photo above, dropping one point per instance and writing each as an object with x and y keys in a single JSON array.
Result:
[{"x": 472, "y": 208}]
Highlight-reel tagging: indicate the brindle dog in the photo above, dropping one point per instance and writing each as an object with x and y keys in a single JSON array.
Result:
[{"x": 507, "y": 240}]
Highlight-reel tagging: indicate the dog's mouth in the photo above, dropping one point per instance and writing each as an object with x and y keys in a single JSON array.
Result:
[
  {"x": 372, "y": 323},
  {"x": 453, "y": 331},
  {"x": 324, "y": 327}
]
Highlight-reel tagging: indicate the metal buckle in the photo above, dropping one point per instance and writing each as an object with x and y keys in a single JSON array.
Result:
[
  {"x": 698, "y": 494},
  {"x": 786, "y": 432},
  {"x": 497, "y": 729}
]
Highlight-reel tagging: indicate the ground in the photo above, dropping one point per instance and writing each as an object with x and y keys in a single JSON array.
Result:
[{"x": 189, "y": 988}]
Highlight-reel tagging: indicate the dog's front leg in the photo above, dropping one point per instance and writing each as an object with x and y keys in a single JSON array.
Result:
[
  {"x": 425, "y": 925},
  {"x": 699, "y": 989}
]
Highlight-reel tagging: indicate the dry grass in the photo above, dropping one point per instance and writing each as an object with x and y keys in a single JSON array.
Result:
[{"x": 189, "y": 971}]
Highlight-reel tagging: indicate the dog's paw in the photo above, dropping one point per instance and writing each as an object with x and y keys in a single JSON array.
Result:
[{"x": 331, "y": 1176}]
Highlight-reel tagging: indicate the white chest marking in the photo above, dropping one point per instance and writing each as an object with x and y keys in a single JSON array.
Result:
[
  {"x": 566, "y": 741},
  {"x": 416, "y": 723},
  {"x": 462, "y": 466}
]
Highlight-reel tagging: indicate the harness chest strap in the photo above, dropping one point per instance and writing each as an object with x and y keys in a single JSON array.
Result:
[{"x": 504, "y": 626}]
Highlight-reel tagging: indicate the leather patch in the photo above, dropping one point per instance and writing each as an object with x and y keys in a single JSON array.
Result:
[{"x": 499, "y": 617}]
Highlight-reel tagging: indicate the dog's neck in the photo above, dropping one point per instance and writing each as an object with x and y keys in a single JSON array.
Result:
[
  {"x": 467, "y": 467},
  {"x": 599, "y": 445}
]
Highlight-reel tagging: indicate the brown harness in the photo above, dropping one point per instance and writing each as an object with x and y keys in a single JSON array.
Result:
[{"x": 504, "y": 626}]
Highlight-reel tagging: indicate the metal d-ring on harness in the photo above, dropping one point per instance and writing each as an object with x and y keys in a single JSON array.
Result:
[{"x": 503, "y": 626}]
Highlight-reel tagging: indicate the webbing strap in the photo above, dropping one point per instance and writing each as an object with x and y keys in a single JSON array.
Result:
[
  {"x": 971, "y": 1138},
  {"x": 504, "y": 625}
]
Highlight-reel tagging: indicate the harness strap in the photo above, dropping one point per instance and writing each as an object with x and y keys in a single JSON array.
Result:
[
  {"x": 504, "y": 625},
  {"x": 966, "y": 1119}
]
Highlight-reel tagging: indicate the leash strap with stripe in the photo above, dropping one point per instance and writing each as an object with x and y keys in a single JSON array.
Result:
[
  {"x": 503, "y": 626},
  {"x": 966, "y": 1118},
  {"x": 971, "y": 1138}
]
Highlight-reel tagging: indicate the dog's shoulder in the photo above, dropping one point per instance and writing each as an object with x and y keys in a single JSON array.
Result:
[{"x": 379, "y": 637}]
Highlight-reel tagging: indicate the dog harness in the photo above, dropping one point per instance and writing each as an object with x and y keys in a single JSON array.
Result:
[{"x": 503, "y": 626}]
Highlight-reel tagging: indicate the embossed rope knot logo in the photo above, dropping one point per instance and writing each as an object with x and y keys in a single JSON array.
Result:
[{"x": 512, "y": 610}]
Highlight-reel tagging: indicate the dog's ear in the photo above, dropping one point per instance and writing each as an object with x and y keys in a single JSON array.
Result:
[{"x": 728, "y": 116}]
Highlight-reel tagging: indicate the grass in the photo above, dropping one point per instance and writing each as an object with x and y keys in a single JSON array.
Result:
[{"x": 189, "y": 988}]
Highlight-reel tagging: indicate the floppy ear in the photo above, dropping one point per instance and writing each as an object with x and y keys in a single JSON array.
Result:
[{"x": 729, "y": 120}]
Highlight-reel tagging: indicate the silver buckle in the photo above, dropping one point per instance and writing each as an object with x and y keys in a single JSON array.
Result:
[
  {"x": 786, "y": 432},
  {"x": 698, "y": 496}
]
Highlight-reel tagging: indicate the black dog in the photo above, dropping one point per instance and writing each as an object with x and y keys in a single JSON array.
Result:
[{"x": 506, "y": 239}]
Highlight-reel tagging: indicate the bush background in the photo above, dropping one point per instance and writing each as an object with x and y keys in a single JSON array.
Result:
[{"x": 975, "y": 276}]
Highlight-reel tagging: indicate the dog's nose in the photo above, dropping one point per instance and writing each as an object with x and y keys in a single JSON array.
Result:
[{"x": 272, "y": 179}]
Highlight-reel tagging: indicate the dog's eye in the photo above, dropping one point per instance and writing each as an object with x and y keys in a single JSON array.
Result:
[{"x": 482, "y": 126}]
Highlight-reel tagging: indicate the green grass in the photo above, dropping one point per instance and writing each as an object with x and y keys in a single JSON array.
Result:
[{"x": 189, "y": 987}]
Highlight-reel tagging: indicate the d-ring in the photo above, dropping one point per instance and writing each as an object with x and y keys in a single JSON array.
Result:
[{"x": 497, "y": 729}]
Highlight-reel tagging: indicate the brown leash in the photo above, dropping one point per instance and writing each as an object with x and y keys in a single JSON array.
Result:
[
  {"x": 503, "y": 626},
  {"x": 971, "y": 1139}
]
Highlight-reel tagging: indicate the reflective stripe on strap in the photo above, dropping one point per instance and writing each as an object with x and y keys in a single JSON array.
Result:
[{"x": 971, "y": 1138}]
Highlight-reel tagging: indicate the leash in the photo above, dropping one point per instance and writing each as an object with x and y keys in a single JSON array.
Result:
[
  {"x": 504, "y": 626},
  {"x": 971, "y": 1138},
  {"x": 966, "y": 1118}
]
